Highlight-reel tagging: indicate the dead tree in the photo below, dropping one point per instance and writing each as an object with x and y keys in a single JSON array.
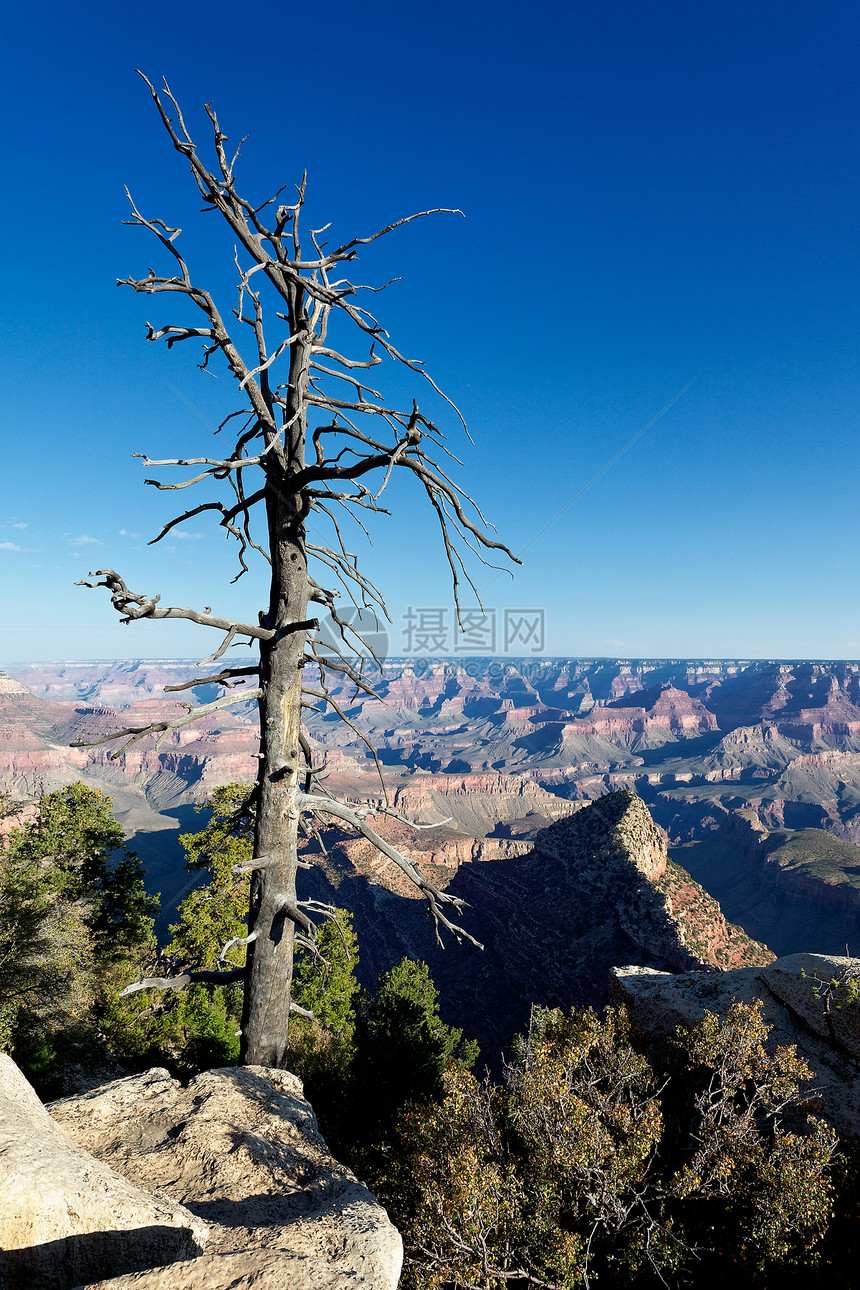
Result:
[{"x": 310, "y": 437}]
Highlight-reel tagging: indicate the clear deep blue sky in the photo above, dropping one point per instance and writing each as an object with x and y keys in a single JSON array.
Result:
[{"x": 654, "y": 193}]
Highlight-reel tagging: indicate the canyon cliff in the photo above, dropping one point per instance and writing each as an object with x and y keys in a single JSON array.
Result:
[
  {"x": 494, "y": 751},
  {"x": 595, "y": 889}
]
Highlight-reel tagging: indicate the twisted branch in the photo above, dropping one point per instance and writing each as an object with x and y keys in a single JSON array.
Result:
[
  {"x": 164, "y": 728},
  {"x": 356, "y": 818}
]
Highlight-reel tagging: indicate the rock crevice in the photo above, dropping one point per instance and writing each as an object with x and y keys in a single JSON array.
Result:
[
  {"x": 66, "y": 1217},
  {"x": 241, "y": 1149}
]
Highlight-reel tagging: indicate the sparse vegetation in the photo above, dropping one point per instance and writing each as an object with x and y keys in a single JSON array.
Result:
[
  {"x": 816, "y": 852},
  {"x": 598, "y": 1159},
  {"x": 598, "y": 1163}
]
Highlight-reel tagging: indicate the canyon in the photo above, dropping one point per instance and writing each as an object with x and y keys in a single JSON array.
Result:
[
  {"x": 752, "y": 768},
  {"x": 594, "y": 889}
]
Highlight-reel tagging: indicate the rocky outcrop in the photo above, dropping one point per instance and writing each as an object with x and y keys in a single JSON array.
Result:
[
  {"x": 596, "y": 888},
  {"x": 240, "y": 1149},
  {"x": 67, "y": 1218},
  {"x": 610, "y": 876},
  {"x": 809, "y": 1000}
]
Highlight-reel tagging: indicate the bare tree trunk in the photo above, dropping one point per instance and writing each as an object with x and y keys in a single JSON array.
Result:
[{"x": 270, "y": 957}]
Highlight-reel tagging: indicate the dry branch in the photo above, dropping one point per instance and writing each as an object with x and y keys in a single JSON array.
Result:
[
  {"x": 183, "y": 979},
  {"x": 356, "y": 818},
  {"x": 233, "y": 943},
  {"x": 164, "y": 728},
  {"x": 133, "y": 607},
  {"x": 217, "y": 678}
]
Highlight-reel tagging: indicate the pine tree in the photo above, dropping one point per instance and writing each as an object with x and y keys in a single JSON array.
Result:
[{"x": 75, "y": 924}]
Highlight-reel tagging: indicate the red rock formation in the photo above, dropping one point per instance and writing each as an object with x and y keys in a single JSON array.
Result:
[
  {"x": 501, "y": 753},
  {"x": 597, "y": 889},
  {"x": 35, "y": 737}
]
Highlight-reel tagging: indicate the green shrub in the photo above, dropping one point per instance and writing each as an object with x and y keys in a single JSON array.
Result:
[
  {"x": 196, "y": 1028},
  {"x": 74, "y": 922},
  {"x": 593, "y": 1163}
]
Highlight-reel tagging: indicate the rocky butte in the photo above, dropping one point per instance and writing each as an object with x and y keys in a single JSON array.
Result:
[{"x": 593, "y": 890}]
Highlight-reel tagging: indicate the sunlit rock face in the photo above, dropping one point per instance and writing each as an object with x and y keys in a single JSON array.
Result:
[
  {"x": 241, "y": 1149},
  {"x": 67, "y": 1218},
  {"x": 807, "y": 1000}
]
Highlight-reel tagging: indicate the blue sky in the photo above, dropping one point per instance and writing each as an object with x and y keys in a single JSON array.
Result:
[{"x": 654, "y": 194}]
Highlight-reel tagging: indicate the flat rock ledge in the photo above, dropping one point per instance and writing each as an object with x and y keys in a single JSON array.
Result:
[
  {"x": 810, "y": 1000},
  {"x": 240, "y": 1149},
  {"x": 67, "y": 1218}
]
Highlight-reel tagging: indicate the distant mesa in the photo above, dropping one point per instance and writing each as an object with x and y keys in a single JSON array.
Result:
[
  {"x": 500, "y": 752},
  {"x": 10, "y": 686}
]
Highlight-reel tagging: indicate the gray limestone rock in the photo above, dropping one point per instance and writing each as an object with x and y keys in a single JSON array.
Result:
[
  {"x": 820, "y": 989},
  {"x": 241, "y": 1149},
  {"x": 66, "y": 1217},
  {"x": 807, "y": 1000}
]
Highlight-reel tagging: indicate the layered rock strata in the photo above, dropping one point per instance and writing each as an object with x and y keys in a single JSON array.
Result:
[{"x": 500, "y": 749}]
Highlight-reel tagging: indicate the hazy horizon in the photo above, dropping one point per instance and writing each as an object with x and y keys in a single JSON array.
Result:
[{"x": 463, "y": 661}]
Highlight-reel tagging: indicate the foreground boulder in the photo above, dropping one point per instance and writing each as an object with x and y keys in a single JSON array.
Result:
[
  {"x": 809, "y": 1000},
  {"x": 241, "y": 1149},
  {"x": 66, "y": 1218}
]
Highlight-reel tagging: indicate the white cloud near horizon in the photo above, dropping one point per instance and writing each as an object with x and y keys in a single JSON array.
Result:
[{"x": 9, "y": 546}]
